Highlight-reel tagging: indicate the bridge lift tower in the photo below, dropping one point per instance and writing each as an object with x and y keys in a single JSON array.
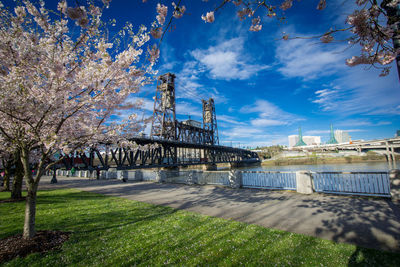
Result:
[
  {"x": 163, "y": 125},
  {"x": 210, "y": 122}
]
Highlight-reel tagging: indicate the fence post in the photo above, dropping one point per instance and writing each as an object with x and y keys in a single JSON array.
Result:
[
  {"x": 235, "y": 178},
  {"x": 160, "y": 176},
  {"x": 103, "y": 174},
  {"x": 304, "y": 182},
  {"x": 192, "y": 178},
  {"x": 394, "y": 176}
]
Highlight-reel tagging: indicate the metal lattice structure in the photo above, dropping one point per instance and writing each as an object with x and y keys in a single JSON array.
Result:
[
  {"x": 160, "y": 153},
  {"x": 164, "y": 117},
  {"x": 166, "y": 127},
  {"x": 210, "y": 122}
]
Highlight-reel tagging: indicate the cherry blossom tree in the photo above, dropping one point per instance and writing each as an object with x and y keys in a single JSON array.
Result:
[{"x": 61, "y": 78}]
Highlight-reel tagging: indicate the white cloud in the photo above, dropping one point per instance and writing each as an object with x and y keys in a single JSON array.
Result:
[
  {"x": 143, "y": 103},
  {"x": 267, "y": 114},
  {"x": 228, "y": 61},
  {"x": 242, "y": 132},
  {"x": 327, "y": 99},
  {"x": 229, "y": 119},
  {"x": 185, "y": 108},
  {"x": 256, "y": 138},
  {"x": 362, "y": 122},
  {"x": 307, "y": 59},
  {"x": 327, "y": 132},
  {"x": 355, "y": 92},
  {"x": 188, "y": 84},
  {"x": 267, "y": 122},
  {"x": 254, "y": 132}
]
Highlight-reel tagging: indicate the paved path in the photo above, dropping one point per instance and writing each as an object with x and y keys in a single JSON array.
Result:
[{"x": 366, "y": 222}]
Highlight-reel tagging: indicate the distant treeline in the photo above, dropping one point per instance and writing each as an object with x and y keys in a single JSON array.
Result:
[{"x": 314, "y": 159}]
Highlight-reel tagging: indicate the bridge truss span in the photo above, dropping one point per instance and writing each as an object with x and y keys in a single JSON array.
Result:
[{"x": 160, "y": 153}]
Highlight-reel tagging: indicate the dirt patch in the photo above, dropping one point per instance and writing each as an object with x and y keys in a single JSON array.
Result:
[
  {"x": 8, "y": 200},
  {"x": 43, "y": 241}
]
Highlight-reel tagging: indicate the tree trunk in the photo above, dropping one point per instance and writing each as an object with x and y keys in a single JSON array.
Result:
[
  {"x": 7, "y": 174},
  {"x": 16, "y": 192},
  {"x": 30, "y": 207},
  {"x": 30, "y": 213},
  {"x": 6, "y": 181}
]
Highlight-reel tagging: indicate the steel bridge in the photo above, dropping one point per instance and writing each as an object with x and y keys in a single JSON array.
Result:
[
  {"x": 171, "y": 143},
  {"x": 160, "y": 153}
]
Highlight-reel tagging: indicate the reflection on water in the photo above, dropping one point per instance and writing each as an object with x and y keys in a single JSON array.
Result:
[{"x": 347, "y": 167}]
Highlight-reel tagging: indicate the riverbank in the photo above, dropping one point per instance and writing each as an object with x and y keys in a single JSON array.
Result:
[{"x": 311, "y": 160}]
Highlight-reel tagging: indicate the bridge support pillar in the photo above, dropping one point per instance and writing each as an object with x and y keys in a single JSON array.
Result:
[
  {"x": 160, "y": 176},
  {"x": 304, "y": 182},
  {"x": 389, "y": 156},
  {"x": 210, "y": 167},
  {"x": 235, "y": 179},
  {"x": 395, "y": 185},
  {"x": 393, "y": 157},
  {"x": 192, "y": 178}
]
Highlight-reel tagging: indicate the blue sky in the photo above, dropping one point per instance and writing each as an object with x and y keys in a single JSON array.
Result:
[{"x": 265, "y": 88}]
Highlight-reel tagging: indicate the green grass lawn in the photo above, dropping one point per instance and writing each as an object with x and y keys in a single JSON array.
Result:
[{"x": 109, "y": 231}]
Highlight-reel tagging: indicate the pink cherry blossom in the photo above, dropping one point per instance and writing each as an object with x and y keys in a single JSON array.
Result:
[
  {"x": 178, "y": 11},
  {"x": 321, "y": 5},
  {"x": 256, "y": 26},
  {"x": 162, "y": 11},
  {"x": 286, "y": 4},
  {"x": 244, "y": 12},
  {"x": 327, "y": 38},
  {"x": 156, "y": 32},
  {"x": 209, "y": 17}
]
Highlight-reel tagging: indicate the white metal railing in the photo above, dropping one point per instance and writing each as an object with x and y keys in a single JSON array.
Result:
[
  {"x": 149, "y": 175},
  {"x": 354, "y": 183},
  {"x": 216, "y": 177},
  {"x": 269, "y": 180}
]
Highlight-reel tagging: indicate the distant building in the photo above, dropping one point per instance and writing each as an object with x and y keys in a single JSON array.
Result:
[
  {"x": 397, "y": 133},
  {"x": 342, "y": 136},
  {"x": 308, "y": 140},
  {"x": 312, "y": 140},
  {"x": 293, "y": 139}
]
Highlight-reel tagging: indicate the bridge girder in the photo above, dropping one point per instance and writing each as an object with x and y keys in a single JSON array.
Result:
[{"x": 161, "y": 153}]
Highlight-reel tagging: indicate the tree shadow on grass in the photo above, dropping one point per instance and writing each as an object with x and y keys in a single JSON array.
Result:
[{"x": 84, "y": 211}]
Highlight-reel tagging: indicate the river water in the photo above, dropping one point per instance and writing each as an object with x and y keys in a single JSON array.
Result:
[{"x": 344, "y": 167}]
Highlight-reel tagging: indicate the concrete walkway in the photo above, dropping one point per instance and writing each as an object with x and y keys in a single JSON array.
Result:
[{"x": 366, "y": 222}]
